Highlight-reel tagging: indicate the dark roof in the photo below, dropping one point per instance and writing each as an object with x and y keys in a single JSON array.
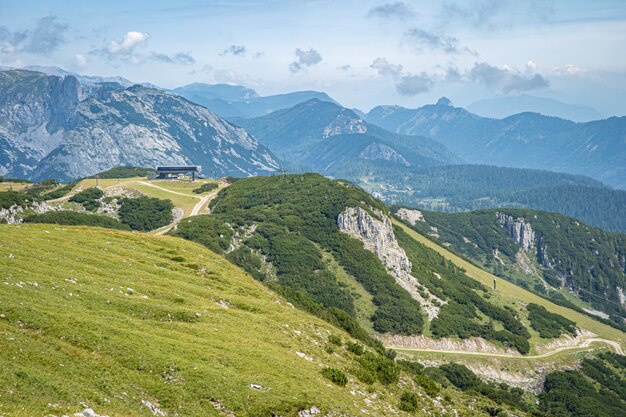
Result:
[{"x": 176, "y": 169}]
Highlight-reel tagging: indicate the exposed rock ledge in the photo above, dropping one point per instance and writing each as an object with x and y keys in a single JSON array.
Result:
[
  {"x": 410, "y": 216},
  {"x": 378, "y": 237},
  {"x": 518, "y": 229},
  {"x": 474, "y": 344}
]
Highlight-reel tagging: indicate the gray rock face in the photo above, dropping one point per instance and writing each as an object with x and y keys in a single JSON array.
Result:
[
  {"x": 345, "y": 124},
  {"x": 380, "y": 151},
  {"x": 410, "y": 215},
  {"x": 378, "y": 237},
  {"x": 47, "y": 131},
  {"x": 518, "y": 230}
]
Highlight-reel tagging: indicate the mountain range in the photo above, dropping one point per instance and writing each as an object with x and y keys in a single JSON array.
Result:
[
  {"x": 323, "y": 136},
  {"x": 501, "y": 107},
  {"x": 234, "y": 102},
  {"x": 525, "y": 140},
  {"x": 50, "y": 127}
]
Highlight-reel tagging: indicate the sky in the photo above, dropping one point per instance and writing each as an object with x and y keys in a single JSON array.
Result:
[{"x": 362, "y": 53}]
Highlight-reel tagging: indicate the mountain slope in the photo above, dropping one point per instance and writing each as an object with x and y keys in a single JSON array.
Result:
[
  {"x": 526, "y": 140},
  {"x": 234, "y": 102},
  {"x": 70, "y": 137},
  {"x": 126, "y": 324},
  {"x": 331, "y": 249},
  {"x": 323, "y": 136},
  {"x": 501, "y": 107},
  {"x": 546, "y": 252},
  {"x": 455, "y": 188}
]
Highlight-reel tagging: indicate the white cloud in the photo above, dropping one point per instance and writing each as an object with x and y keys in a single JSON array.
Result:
[
  {"x": 569, "y": 69},
  {"x": 80, "y": 61},
  {"x": 128, "y": 44},
  {"x": 384, "y": 68},
  {"x": 399, "y": 10},
  {"x": 411, "y": 85},
  {"x": 305, "y": 59},
  {"x": 506, "y": 79}
]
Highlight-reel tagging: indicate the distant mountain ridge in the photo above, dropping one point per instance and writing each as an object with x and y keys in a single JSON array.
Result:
[
  {"x": 502, "y": 107},
  {"x": 323, "y": 136},
  {"x": 49, "y": 128},
  {"x": 525, "y": 140},
  {"x": 234, "y": 102}
]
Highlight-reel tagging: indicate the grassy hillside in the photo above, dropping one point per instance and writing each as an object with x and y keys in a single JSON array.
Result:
[
  {"x": 110, "y": 319},
  {"x": 567, "y": 261}
]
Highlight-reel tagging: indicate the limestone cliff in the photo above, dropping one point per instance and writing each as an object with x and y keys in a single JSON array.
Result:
[{"x": 377, "y": 236}]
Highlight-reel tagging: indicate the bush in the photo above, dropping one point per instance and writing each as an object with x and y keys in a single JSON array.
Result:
[
  {"x": 205, "y": 188},
  {"x": 430, "y": 387},
  {"x": 335, "y": 340},
  {"x": 60, "y": 192},
  {"x": 72, "y": 218},
  {"x": 336, "y": 376},
  {"x": 547, "y": 324},
  {"x": 460, "y": 376},
  {"x": 88, "y": 198},
  {"x": 145, "y": 213},
  {"x": 385, "y": 370},
  {"x": 355, "y": 348},
  {"x": 19, "y": 180},
  {"x": 415, "y": 368},
  {"x": 124, "y": 172},
  {"x": 408, "y": 402},
  {"x": 11, "y": 198}
]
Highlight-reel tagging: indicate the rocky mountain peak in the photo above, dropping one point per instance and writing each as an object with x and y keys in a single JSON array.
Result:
[{"x": 444, "y": 101}]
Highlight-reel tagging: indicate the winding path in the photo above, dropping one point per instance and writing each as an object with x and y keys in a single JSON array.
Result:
[
  {"x": 584, "y": 344},
  {"x": 204, "y": 201}
]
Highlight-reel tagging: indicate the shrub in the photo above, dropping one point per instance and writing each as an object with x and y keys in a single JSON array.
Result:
[
  {"x": 205, "y": 188},
  {"x": 415, "y": 368},
  {"x": 145, "y": 213},
  {"x": 408, "y": 402},
  {"x": 547, "y": 324},
  {"x": 72, "y": 218},
  {"x": 386, "y": 370},
  {"x": 124, "y": 172},
  {"x": 60, "y": 192},
  {"x": 335, "y": 340},
  {"x": 430, "y": 387},
  {"x": 460, "y": 376},
  {"x": 88, "y": 198},
  {"x": 10, "y": 198},
  {"x": 355, "y": 348},
  {"x": 336, "y": 376}
]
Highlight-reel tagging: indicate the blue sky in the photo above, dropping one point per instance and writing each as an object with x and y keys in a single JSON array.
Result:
[{"x": 362, "y": 53}]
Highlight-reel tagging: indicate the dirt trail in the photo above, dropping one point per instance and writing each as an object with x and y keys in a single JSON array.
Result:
[
  {"x": 204, "y": 201},
  {"x": 584, "y": 344},
  {"x": 166, "y": 190}
]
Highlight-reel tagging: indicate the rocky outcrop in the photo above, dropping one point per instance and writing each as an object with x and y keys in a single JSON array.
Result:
[
  {"x": 344, "y": 124},
  {"x": 518, "y": 230},
  {"x": 410, "y": 216},
  {"x": 380, "y": 151},
  {"x": 473, "y": 344},
  {"x": 377, "y": 236}
]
